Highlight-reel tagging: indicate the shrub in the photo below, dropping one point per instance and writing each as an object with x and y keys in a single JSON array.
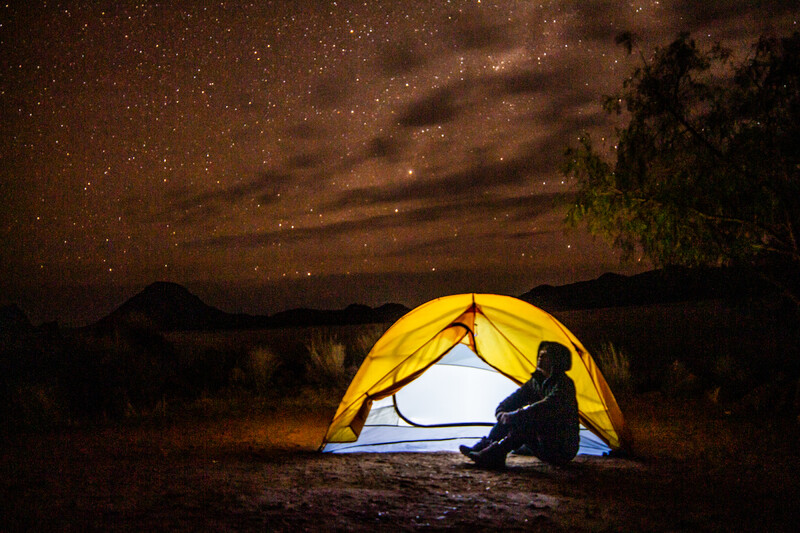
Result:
[
  {"x": 360, "y": 343},
  {"x": 326, "y": 364},
  {"x": 680, "y": 382},
  {"x": 116, "y": 372},
  {"x": 256, "y": 369},
  {"x": 35, "y": 406},
  {"x": 370, "y": 335},
  {"x": 615, "y": 367},
  {"x": 202, "y": 369},
  {"x": 731, "y": 372}
]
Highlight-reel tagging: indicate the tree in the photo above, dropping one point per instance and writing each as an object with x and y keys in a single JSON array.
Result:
[{"x": 707, "y": 169}]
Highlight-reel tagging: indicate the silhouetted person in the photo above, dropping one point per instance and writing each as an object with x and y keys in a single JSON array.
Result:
[{"x": 541, "y": 415}]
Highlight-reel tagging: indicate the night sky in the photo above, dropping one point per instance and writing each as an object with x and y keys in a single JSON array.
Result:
[{"x": 270, "y": 155}]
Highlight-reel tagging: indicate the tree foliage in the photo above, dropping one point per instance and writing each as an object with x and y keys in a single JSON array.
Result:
[{"x": 706, "y": 170}]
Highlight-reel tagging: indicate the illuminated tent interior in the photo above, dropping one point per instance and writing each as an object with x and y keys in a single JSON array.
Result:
[{"x": 433, "y": 380}]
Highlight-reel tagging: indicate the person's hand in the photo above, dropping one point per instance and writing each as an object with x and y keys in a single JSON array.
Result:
[{"x": 504, "y": 418}]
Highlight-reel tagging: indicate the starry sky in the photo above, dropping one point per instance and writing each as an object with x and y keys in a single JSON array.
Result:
[{"x": 278, "y": 154}]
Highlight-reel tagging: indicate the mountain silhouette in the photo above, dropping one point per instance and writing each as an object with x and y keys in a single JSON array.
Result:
[
  {"x": 673, "y": 284},
  {"x": 169, "y": 306}
]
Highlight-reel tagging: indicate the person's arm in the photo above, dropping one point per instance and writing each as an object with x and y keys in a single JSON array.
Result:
[
  {"x": 529, "y": 392},
  {"x": 560, "y": 395}
]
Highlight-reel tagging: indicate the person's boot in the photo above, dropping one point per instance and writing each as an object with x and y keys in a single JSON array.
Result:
[
  {"x": 478, "y": 446},
  {"x": 493, "y": 456}
]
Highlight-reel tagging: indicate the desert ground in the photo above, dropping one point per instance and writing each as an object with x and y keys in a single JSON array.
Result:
[
  {"x": 693, "y": 468},
  {"x": 711, "y": 404}
]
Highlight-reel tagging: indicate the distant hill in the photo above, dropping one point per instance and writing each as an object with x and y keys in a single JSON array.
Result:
[
  {"x": 171, "y": 307},
  {"x": 168, "y": 306},
  {"x": 653, "y": 287}
]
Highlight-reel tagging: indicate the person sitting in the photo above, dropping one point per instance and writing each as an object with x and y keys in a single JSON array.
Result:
[{"x": 541, "y": 415}]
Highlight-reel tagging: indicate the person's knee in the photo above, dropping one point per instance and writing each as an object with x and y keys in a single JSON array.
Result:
[{"x": 499, "y": 431}]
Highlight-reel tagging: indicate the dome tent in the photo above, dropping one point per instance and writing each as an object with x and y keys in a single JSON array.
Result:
[{"x": 433, "y": 380}]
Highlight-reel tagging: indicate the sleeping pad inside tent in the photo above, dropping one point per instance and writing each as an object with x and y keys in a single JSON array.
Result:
[{"x": 423, "y": 387}]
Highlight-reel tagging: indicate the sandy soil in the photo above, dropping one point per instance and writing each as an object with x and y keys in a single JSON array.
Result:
[{"x": 694, "y": 469}]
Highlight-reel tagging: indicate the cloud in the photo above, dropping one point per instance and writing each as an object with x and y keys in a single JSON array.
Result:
[
  {"x": 304, "y": 160},
  {"x": 321, "y": 233},
  {"x": 436, "y": 107},
  {"x": 597, "y": 21},
  {"x": 383, "y": 147},
  {"x": 400, "y": 57},
  {"x": 194, "y": 214},
  {"x": 560, "y": 79},
  {"x": 735, "y": 19},
  {"x": 512, "y": 209},
  {"x": 467, "y": 183},
  {"x": 329, "y": 92},
  {"x": 444, "y": 103},
  {"x": 561, "y": 120},
  {"x": 474, "y": 31},
  {"x": 521, "y": 82},
  {"x": 305, "y": 131},
  {"x": 265, "y": 189}
]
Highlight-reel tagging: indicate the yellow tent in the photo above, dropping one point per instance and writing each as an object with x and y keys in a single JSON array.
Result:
[{"x": 502, "y": 331}]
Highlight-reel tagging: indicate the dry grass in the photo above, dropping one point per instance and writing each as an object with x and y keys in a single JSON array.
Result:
[
  {"x": 256, "y": 369},
  {"x": 366, "y": 339},
  {"x": 327, "y": 356},
  {"x": 615, "y": 366}
]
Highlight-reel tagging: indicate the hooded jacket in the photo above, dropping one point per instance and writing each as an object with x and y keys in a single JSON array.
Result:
[{"x": 545, "y": 410}]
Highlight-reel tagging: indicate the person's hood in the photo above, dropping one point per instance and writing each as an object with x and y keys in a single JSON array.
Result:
[{"x": 560, "y": 356}]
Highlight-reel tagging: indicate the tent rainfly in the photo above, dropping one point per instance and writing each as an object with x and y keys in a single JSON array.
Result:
[{"x": 433, "y": 380}]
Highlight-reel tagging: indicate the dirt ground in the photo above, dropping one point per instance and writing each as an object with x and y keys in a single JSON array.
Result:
[{"x": 694, "y": 468}]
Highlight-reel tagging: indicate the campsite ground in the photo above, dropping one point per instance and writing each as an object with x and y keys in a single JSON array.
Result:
[{"x": 694, "y": 468}]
